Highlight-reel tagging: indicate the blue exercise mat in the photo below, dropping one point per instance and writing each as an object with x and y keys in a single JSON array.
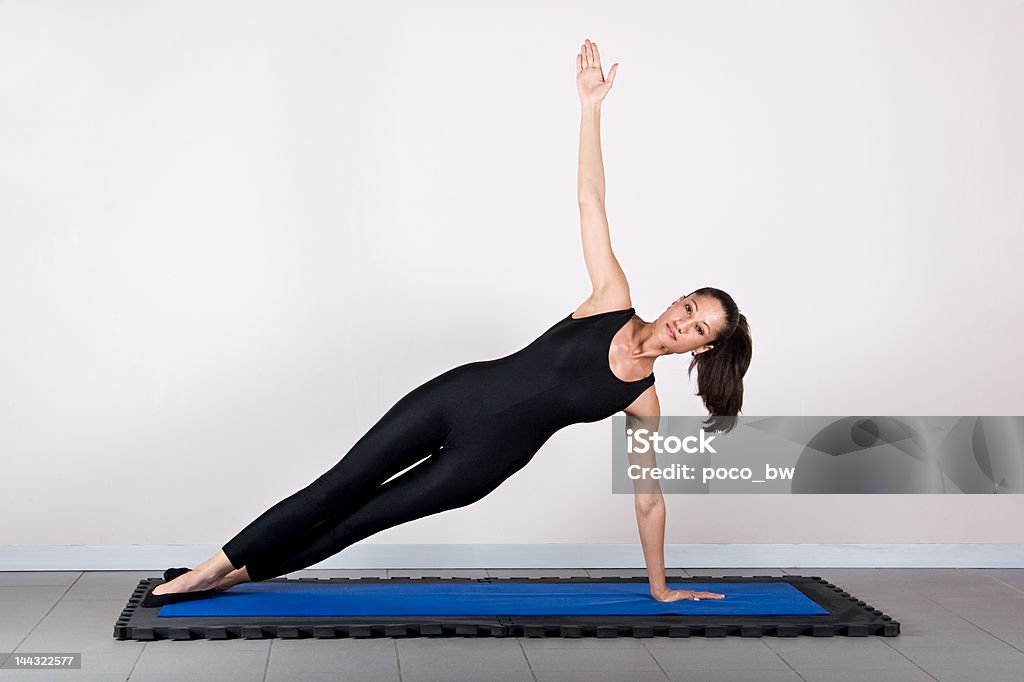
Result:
[{"x": 495, "y": 599}]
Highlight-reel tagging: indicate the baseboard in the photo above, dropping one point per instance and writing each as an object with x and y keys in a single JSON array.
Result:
[{"x": 553, "y": 555}]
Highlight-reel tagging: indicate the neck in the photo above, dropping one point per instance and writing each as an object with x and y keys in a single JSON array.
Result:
[{"x": 644, "y": 345}]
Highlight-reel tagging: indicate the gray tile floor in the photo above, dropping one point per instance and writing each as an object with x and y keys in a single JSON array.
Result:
[{"x": 957, "y": 624}]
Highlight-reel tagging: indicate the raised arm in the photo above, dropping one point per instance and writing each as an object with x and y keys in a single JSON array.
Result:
[{"x": 610, "y": 290}]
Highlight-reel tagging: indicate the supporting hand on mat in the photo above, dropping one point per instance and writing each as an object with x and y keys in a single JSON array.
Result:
[
  {"x": 665, "y": 594},
  {"x": 590, "y": 80}
]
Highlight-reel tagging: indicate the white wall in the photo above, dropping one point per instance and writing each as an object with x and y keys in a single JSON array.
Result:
[{"x": 234, "y": 233}]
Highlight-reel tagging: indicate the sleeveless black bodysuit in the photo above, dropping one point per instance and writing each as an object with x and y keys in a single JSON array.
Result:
[{"x": 476, "y": 425}]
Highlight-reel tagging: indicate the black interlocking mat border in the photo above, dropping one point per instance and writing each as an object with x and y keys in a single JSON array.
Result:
[{"x": 848, "y": 616}]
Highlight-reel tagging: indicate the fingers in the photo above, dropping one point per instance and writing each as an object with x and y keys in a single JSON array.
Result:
[
  {"x": 710, "y": 595},
  {"x": 579, "y": 63},
  {"x": 696, "y": 596},
  {"x": 591, "y": 58},
  {"x": 676, "y": 595}
]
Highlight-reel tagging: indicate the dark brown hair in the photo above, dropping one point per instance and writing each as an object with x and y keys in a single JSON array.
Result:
[{"x": 720, "y": 369}]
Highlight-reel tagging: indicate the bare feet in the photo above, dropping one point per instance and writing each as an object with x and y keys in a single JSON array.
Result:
[
  {"x": 215, "y": 572},
  {"x": 193, "y": 581},
  {"x": 240, "y": 575}
]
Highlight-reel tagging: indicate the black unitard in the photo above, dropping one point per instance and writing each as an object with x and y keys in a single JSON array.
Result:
[{"x": 476, "y": 425}]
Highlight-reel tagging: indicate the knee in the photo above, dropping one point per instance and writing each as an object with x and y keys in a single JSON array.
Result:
[{"x": 334, "y": 500}]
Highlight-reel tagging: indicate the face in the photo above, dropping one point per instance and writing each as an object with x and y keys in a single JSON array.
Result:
[{"x": 691, "y": 323}]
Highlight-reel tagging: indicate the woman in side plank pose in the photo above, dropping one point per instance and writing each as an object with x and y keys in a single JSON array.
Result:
[{"x": 476, "y": 425}]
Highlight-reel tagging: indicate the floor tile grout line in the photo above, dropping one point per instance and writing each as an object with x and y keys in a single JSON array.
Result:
[
  {"x": 655, "y": 659},
  {"x": 266, "y": 664},
  {"x": 398, "y": 659},
  {"x": 916, "y": 664},
  {"x": 43, "y": 617},
  {"x": 993, "y": 579},
  {"x": 643, "y": 645},
  {"x": 142, "y": 650},
  {"x": 1003, "y": 582},
  {"x": 529, "y": 665},
  {"x": 781, "y": 657},
  {"x": 966, "y": 620}
]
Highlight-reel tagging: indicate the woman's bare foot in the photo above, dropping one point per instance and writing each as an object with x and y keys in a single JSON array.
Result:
[
  {"x": 193, "y": 581},
  {"x": 205, "y": 576},
  {"x": 240, "y": 575}
]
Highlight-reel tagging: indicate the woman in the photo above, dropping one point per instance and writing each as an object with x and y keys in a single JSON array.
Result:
[{"x": 476, "y": 425}]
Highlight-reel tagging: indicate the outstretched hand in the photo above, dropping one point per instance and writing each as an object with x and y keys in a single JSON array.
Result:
[
  {"x": 590, "y": 80},
  {"x": 676, "y": 595}
]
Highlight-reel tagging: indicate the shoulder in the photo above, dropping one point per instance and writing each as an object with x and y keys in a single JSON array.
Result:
[
  {"x": 605, "y": 303},
  {"x": 646, "y": 404}
]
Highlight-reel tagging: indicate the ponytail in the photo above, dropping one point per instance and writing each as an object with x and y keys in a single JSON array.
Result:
[{"x": 720, "y": 369}]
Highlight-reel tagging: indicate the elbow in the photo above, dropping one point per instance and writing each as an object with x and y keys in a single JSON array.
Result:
[{"x": 650, "y": 504}]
